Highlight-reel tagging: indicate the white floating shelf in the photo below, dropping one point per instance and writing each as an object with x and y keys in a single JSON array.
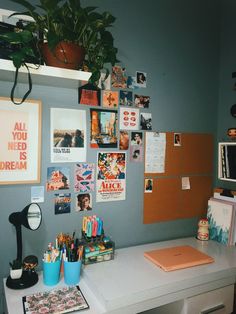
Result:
[{"x": 44, "y": 75}]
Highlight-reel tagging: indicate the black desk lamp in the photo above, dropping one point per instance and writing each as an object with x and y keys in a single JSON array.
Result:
[{"x": 31, "y": 218}]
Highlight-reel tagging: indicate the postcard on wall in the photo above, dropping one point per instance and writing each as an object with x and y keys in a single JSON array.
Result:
[
  {"x": 126, "y": 98},
  {"x": 118, "y": 78},
  {"x": 177, "y": 139},
  {"x": 136, "y": 153},
  {"x": 58, "y": 178},
  {"x": 62, "y": 203},
  {"x": 83, "y": 202},
  {"x": 111, "y": 176},
  {"x": 155, "y": 152},
  {"x": 37, "y": 194},
  {"x": 137, "y": 138},
  {"x": 20, "y": 146},
  {"x": 129, "y": 118},
  {"x": 104, "y": 83},
  {"x": 110, "y": 99},
  {"x": 141, "y": 101},
  {"x": 90, "y": 95},
  {"x": 141, "y": 79},
  {"x": 146, "y": 121},
  {"x": 131, "y": 82},
  {"x": 84, "y": 177},
  {"x": 103, "y": 127},
  {"x": 68, "y": 135},
  {"x": 148, "y": 185},
  {"x": 124, "y": 140}
]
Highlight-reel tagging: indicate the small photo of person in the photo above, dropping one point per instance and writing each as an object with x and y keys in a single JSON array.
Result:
[
  {"x": 177, "y": 139},
  {"x": 136, "y": 138},
  {"x": 141, "y": 79},
  {"x": 83, "y": 202},
  {"x": 148, "y": 185}
]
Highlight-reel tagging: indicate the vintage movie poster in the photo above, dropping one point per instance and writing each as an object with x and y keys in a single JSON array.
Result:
[
  {"x": 62, "y": 203},
  {"x": 118, "y": 78},
  {"x": 58, "y": 178},
  {"x": 126, "y": 98},
  {"x": 129, "y": 118},
  {"x": 83, "y": 202},
  {"x": 110, "y": 99},
  {"x": 111, "y": 176},
  {"x": 68, "y": 135},
  {"x": 84, "y": 177},
  {"x": 103, "y": 128}
]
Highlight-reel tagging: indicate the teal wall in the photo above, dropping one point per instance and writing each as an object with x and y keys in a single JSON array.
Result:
[{"x": 178, "y": 44}]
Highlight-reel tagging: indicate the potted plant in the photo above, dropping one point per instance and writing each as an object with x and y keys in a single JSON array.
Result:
[{"x": 63, "y": 23}]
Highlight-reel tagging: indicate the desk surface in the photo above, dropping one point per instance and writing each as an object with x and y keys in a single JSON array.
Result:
[{"x": 130, "y": 283}]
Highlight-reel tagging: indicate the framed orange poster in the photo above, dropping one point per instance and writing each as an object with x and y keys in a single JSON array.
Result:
[{"x": 20, "y": 146}]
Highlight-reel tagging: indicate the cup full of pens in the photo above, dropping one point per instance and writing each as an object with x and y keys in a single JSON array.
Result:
[
  {"x": 72, "y": 254},
  {"x": 72, "y": 259},
  {"x": 51, "y": 266}
]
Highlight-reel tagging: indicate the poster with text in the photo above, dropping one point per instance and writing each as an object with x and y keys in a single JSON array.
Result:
[
  {"x": 129, "y": 119},
  {"x": 20, "y": 146},
  {"x": 68, "y": 135},
  {"x": 111, "y": 176},
  {"x": 84, "y": 177}
]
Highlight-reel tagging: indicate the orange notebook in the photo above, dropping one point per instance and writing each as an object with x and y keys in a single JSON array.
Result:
[{"x": 178, "y": 257}]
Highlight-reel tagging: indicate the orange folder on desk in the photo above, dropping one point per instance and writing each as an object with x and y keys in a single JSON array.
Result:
[{"x": 178, "y": 257}]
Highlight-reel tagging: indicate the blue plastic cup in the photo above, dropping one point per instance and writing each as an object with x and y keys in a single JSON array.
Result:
[
  {"x": 51, "y": 273},
  {"x": 72, "y": 272}
]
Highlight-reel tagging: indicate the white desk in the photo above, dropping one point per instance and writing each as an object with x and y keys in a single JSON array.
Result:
[{"x": 131, "y": 284}]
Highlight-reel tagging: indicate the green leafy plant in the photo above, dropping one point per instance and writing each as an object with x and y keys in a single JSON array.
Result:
[{"x": 67, "y": 20}]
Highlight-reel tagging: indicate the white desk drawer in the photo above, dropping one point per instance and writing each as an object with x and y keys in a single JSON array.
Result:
[{"x": 219, "y": 301}]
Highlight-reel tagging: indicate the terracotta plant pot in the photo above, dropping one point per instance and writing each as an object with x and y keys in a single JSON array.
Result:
[{"x": 65, "y": 55}]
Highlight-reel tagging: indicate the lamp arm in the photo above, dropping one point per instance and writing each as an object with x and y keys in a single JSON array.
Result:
[{"x": 19, "y": 242}]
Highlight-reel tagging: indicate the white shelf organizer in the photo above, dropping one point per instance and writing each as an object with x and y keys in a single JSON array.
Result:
[{"x": 44, "y": 75}]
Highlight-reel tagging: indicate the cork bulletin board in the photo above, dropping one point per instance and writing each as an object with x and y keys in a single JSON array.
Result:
[{"x": 192, "y": 159}]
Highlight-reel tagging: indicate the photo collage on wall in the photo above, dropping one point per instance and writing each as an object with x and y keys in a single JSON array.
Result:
[{"x": 118, "y": 116}]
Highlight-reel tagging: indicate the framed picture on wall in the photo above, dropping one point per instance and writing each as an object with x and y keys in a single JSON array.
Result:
[{"x": 20, "y": 146}]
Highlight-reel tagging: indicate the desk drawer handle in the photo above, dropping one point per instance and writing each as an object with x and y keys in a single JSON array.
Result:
[{"x": 213, "y": 309}]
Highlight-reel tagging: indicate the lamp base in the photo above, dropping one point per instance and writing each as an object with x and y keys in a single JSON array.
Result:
[{"x": 28, "y": 279}]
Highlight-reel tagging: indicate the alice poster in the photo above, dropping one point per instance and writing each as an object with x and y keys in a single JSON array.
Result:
[
  {"x": 111, "y": 176},
  {"x": 20, "y": 146},
  {"x": 68, "y": 135},
  {"x": 84, "y": 177}
]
